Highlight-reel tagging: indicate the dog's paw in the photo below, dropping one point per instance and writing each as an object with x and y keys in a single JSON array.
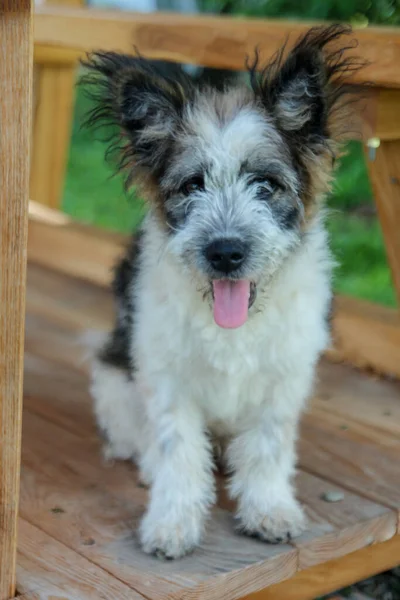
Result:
[
  {"x": 277, "y": 525},
  {"x": 169, "y": 537}
]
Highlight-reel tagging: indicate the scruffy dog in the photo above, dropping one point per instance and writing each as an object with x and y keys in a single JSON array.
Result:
[{"x": 223, "y": 298}]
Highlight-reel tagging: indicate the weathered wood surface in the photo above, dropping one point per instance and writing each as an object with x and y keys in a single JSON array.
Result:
[
  {"x": 15, "y": 109},
  {"x": 335, "y": 574},
  {"x": 205, "y": 40},
  {"x": 47, "y": 569},
  {"x": 73, "y": 501}
]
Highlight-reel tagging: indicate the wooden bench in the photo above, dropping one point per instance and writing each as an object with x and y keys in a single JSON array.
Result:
[{"x": 77, "y": 516}]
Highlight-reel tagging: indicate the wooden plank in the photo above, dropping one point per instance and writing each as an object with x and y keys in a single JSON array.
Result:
[
  {"x": 51, "y": 134},
  {"x": 104, "y": 505},
  {"x": 205, "y": 40},
  {"x": 55, "y": 55},
  {"x": 62, "y": 470},
  {"x": 379, "y": 114},
  {"x": 334, "y": 530},
  {"x": 371, "y": 402},
  {"x": 15, "y": 109},
  {"x": 384, "y": 173},
  {"x": 351, "y": 457},
  {"x": 337, "y": 529},
  {"x": 330, "y": 576},
  {"x": 48, "y": 569},
  {"x": 366, "y": 335},
  {"x": 76, "y": 250}
]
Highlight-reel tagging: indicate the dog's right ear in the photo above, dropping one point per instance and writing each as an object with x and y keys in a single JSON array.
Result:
[{"x": 143, "y": 102}]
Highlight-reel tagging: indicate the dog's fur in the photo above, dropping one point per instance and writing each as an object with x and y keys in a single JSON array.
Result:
[{"x": 249, "y": 164}]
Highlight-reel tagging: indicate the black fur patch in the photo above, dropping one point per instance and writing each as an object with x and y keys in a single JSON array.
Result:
[
  {"x": 117, "y": 350},
  {"x": 310, "y": 82},
  {"x": 307, "y": 93},
  {"x": 139, "y": 102}
]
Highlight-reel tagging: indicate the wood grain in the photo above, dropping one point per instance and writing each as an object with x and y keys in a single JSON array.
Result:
[
  {"x": 335, "y": 574},
  {"x": 366, "y": 335},
  {"x": 377, "y": 114},
  {"x": 15, "y": 109},
  {"x": 77, "y": 250},
  {"x": 85, "y": 513},
  {"x": 205, "y": 40},
  {"x": 50, "y": 570},
  {"x": 104, "y": 505},
  {"x": 384, "y": 173},
  {"x": 68, "y": 493},
  {"x": 55, "y": 91},
  {"x": 351, "y": 435}
]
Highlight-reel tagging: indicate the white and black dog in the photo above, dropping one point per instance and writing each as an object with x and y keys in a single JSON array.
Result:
[{"x": 223, "y": 298}]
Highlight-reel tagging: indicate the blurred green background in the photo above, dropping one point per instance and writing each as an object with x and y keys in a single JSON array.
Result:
[{"x": 93, "y": 195}]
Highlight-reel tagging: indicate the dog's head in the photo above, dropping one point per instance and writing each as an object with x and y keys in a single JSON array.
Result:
[{"x": 235, "y": 177}]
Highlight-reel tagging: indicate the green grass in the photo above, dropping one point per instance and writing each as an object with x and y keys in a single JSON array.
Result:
[{"x": 93, "y": 195}]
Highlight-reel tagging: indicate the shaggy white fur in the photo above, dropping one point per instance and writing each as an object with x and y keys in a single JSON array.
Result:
[{"x": 248, "y": 385}]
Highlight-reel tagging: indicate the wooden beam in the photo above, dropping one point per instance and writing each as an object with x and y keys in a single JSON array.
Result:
[
  {"x": 379, "y": 110},
  {"x": 15, "y": 111},
  {"x": 55, "y": 241},
  {"x": 330, "y": 576},
  {"x": 56, "y": 55},
  {"x": 365, "y": 334},
  {"x": 384, "y": 172},
  {"x": 55, "y": 90},
  {"x": 204, "y": 40}
]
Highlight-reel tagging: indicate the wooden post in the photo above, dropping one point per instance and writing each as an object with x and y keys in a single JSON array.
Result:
[
  {"x": 15, "y": 109},
  {"x": 384, "y": 171},
  {"x": 55, "y": 91}
]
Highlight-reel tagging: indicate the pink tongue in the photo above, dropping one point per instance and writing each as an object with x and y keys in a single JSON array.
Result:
[{"x": 231, "y": 302}]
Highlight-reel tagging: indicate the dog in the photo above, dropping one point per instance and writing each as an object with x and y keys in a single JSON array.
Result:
[{"x": 223, "y": 297}]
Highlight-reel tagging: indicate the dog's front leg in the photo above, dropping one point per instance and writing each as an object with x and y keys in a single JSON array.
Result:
[
  {"x": 262, "y": 458},
  {"x": 183, "y": 486}
]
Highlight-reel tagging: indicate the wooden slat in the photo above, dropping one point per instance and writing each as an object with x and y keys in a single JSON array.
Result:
[
  {"x": 371, "y": 403},
  {"x": 48, "y": 569},
  {"x": 55, "y": 55},
  {"x": 104, "y": 505},
  {"x": 85, "y": 252},
  {"x": 211, "y": 41},
  {"x": 379, "y": 114},
  {"x": 355, "y": 447},
  {"x": 384, "y": 173},
  {"x": 366, "y": 335},
  {"x": 92, "y": 510},
  {"x": 51, "y": 133},
  {"x": 62, "y": 469},
  {"x": 335, "y": 574},
  {"x": 15, "y": 109}
]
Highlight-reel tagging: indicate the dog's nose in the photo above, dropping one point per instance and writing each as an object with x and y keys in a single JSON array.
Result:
[{"x": 226, "y": 255}]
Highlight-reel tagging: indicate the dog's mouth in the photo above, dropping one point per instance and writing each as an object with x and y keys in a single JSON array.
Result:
[{"x": 232, "y": 301}]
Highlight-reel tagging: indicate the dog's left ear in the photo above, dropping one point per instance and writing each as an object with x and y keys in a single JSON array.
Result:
[
  {"x": 302, "y": 90},
  {"x": 142, "y": 101}
]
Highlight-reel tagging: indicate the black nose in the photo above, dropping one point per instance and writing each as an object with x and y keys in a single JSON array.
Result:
[{"x": 226, "y": 255}]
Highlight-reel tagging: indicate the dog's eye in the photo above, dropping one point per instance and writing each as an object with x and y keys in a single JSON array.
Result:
[
  {"x": 195, "y": 184},
  {"x": 267, "y": 184}
]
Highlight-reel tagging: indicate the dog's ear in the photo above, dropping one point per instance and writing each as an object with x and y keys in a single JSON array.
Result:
[
  {"x": 302, "y": 89},
  {"x": 140, "y": 101}
]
